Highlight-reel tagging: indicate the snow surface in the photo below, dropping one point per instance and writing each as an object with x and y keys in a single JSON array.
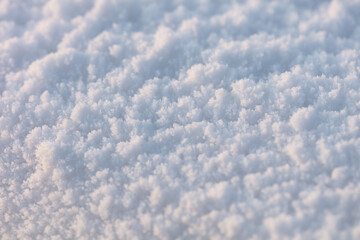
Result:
[{"x": 180, "y": 119}]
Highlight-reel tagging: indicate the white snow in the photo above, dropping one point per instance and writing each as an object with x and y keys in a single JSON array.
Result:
[{"x": 184, "y": 119}]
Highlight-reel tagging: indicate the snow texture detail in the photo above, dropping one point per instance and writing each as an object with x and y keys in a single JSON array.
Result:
[{"x": 179, "y": 119}]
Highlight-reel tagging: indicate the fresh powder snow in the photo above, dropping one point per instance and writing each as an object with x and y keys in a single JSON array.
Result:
[{"x": 182, "y": 119}]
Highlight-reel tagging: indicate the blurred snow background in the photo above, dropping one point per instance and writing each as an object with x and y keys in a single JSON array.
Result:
[{"x": 179, "y": 119}]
